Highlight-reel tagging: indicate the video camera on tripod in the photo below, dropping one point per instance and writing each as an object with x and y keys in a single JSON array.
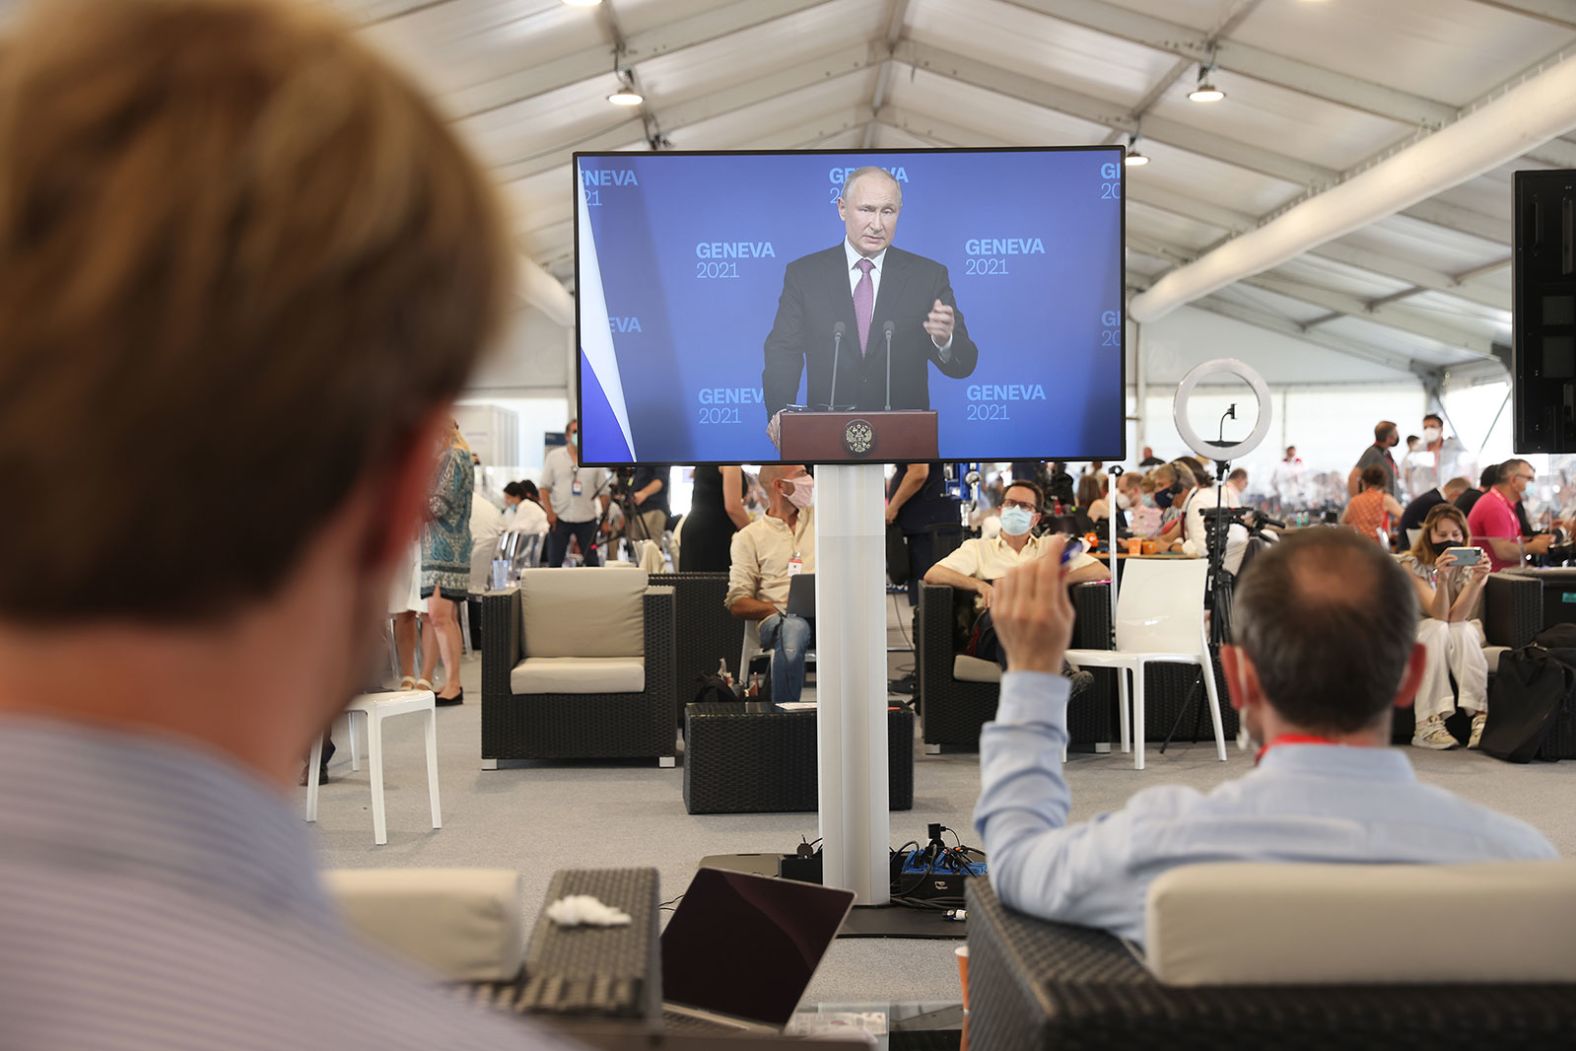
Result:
[{"x": 1250, "y": 518}]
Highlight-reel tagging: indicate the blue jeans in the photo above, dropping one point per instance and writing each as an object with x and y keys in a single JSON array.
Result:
[{"x": 788, "y": 638}]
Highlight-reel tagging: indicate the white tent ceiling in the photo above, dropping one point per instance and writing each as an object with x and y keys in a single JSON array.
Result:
[{"x": 1316, "y": 91}]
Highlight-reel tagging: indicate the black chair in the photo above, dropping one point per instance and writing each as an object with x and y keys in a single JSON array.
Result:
[
  {"x": 704, "y": 632},
  {"x": 952, "y": 710}
]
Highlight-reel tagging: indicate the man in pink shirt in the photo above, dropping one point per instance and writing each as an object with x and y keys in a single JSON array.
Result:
[{"x": 1494, "y": 523}]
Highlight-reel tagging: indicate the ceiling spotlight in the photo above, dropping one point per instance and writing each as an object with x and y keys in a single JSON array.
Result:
[
  {"x": 581, "y": 3},
  {"x": 626, "y": 95},
  {"x": 1133, "y": 158},
  {"x": 1205, "y": 91}
]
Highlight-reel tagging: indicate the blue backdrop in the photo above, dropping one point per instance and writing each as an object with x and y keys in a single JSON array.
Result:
[{"x": 686, "y": 267}]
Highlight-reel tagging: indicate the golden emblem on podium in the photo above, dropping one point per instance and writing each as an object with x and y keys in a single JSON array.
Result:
[{"x": 859, "y": 437}]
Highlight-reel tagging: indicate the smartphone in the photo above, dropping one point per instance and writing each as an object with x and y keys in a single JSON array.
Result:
[{"x": 1465, "y": 556}]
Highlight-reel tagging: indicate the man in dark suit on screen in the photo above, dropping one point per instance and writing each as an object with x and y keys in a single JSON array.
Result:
[{"x": 862, "y": 286}]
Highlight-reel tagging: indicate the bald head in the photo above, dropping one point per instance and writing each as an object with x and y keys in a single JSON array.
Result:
[{"x": 775, "y": 479}]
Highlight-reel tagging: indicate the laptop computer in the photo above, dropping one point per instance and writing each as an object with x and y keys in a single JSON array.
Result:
[
  {"x": 740, "y": 950},
  {"x": 801, "y": 595}
]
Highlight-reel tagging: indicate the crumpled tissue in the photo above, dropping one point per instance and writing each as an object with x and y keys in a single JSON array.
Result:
[{"x": 582, "y": 910}]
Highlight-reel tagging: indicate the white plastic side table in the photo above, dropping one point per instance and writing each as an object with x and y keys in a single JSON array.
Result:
[{"x": 376, "y": 707}]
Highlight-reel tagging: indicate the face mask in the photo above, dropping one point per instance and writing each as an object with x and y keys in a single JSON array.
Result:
[
  {"x": 1430, "y": 435},
  {"x": 1439, "y": 547},
  {"x": 574, "y": 439},
  {"x": 803, "y": 495},
  {"x": 1123, "y": 503},
  {"x": 1015, "y": 521},
  {"x": 1163, "y": 498}
]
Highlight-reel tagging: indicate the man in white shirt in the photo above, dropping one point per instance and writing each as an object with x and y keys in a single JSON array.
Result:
[
  {"x": 158, "y": 888},
  {"x": 1287, "y": 483},
  {"x": 1326, "y": 647},
  {"x": 765, "y": 556},
  {"x": 977, "y": 564},
  {"x": 1436, "y": 459},
  {"x": 1195, "y": 528},
  {"x": 574, "y": 498}
]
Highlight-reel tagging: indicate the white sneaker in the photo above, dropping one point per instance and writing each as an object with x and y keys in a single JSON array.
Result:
[
  {"x": 1479, "y": 720},
  {"x": 1431, "y": 733}
]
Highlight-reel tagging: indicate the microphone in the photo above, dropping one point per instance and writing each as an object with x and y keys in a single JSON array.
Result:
[
  {"x": 887, "y": 328},
  {"x": 837, "y": 342}
]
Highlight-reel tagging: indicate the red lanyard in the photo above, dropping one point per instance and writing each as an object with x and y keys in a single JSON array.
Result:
[{"x": 1291, "y": 739}]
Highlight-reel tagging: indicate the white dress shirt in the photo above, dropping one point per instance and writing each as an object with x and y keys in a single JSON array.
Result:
[{"x": 854, "y": 274}]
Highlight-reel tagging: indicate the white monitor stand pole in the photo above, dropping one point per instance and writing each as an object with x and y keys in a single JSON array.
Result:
[{"x": 851, "y": 680}]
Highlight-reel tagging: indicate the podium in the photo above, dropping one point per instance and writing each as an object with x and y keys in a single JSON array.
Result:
[{"x": 841, "y": 437}]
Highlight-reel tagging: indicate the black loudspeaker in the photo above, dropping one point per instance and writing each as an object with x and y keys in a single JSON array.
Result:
[{"x": 1543, "y": 374}]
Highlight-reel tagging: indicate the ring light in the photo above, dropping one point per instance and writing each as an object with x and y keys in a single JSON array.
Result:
[{"x": 1214, "y": 450}]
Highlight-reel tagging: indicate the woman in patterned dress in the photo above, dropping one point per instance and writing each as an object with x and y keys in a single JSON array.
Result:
[{"x": 446, "y": 564}]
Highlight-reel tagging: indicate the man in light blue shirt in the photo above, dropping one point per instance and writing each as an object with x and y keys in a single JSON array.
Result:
[{"x": 1326, "y": 647}]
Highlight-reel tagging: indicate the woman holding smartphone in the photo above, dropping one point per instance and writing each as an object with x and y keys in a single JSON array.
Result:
[{"x": 1449, "y": 577}]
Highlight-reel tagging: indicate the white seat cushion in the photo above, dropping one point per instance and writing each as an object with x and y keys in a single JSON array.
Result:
[
  {"x": 579, "y": 675},
  {"x": 594, "y": 611},
  {"x": 465, "y": 925},
  {"x": 973, "y": 669},
  {"x": 1492, "y": 655},
  {"x": 1251, "y": 923}
]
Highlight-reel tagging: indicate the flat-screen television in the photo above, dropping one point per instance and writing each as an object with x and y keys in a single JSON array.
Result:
[{"x": 821, "y": 306}]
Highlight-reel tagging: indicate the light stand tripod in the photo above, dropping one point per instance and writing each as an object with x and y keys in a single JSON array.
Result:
[{"x": 1217, "y": 594}]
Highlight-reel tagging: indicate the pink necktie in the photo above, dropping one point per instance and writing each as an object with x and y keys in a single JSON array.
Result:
[{"x": 864, "y": 301}]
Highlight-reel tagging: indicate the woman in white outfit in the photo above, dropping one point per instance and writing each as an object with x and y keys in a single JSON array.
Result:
[{"x": 1448, "y": 595}]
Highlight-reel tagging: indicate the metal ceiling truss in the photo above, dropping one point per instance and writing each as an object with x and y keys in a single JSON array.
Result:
[
  {"x": 897, "y": 19},
  {"x": 1288, "y": 73},
  {"x": 1339, "y": 304},
  {"x": 715, "y": 103},
  {"x": 1173, "y": 133},
  {"x": 1554, "y": 12},
  {"x": 596, "y": 61},
  {"x": 1285, "y": 327},
  {"x": 944, "y": 134}
]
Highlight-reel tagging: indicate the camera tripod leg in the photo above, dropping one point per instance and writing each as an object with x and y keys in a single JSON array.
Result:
[{"x": 1198, "y": 715}]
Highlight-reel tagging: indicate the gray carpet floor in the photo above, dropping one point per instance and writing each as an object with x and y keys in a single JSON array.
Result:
[{"x": 539, "y": 817}]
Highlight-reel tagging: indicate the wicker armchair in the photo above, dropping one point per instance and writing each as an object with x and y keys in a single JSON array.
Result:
[
  {"x": 704, "y": 631},
  {"x": 954, "y": 709},
  {"x": 1034, "y": 984},
  {"x": 578, "y": 664}
]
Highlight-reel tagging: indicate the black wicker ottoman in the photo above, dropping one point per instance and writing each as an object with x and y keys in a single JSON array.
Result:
[
  {"x": 589, "y": 975},
  {"x": 736, "y": 762},
  {"x": 1034, "y": 984}
]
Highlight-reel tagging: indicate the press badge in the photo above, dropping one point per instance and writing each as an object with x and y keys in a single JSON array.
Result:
[
  {"x": 575, "y": 488},
  {"x": 795, "y": 566}
]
